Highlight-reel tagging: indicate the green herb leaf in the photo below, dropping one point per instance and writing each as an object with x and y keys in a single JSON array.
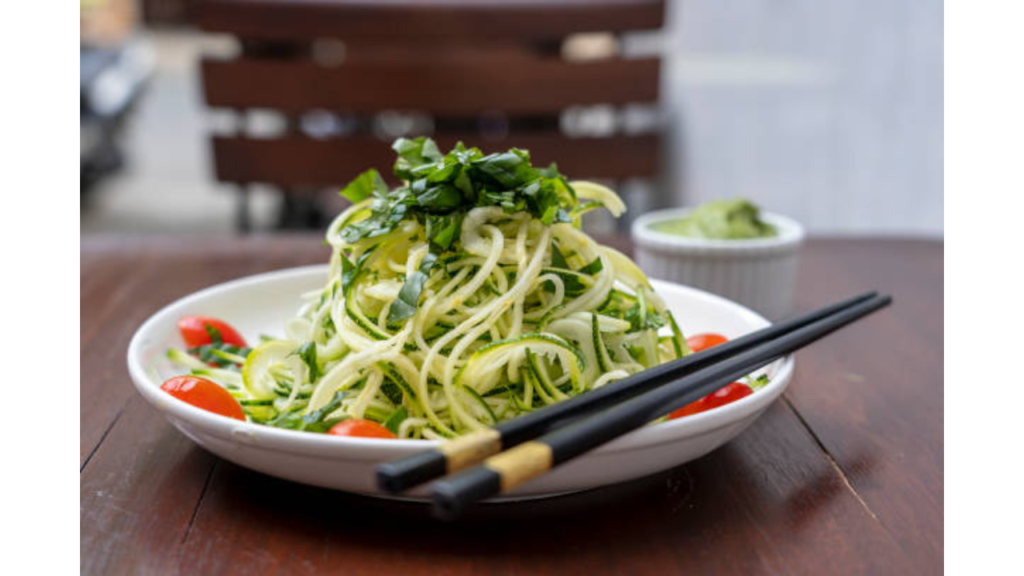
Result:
[
  {"x": 387, "y": 210},
  {"x": 509, "y": 169},
  {"x": 442, "y": 231},
  {"x": 558, "y": 259},
  {"x": 214, "y": 333},
  {"x": 439, "y": 198},
  {"x": 408, "y": 297},
  {"x": 593, "y": 268},
  {"x": 570, "y": 281},
  {"x": 396, "y": 419},
  {"x": 440, "y": 190},
  {"x": 315, "y": 421},
  {"x": 207, "y": 354},
  {"x": 350, "y": 272},
  {"x": 560, "y": 266},
  {"x": 308, "y": 354},
  {"x": 642, "y": 317},
  {"x": 364, "y": 185},
  {"x": 413, "y": 154}
]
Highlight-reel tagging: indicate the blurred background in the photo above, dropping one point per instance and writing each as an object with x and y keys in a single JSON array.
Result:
[{"x": 241, "y": 116}]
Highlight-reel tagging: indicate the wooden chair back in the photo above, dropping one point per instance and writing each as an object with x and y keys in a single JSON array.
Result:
[{"x": 488, "y": 72}]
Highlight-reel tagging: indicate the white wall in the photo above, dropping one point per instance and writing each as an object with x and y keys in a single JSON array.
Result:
[{"x": 829, "y": 111}]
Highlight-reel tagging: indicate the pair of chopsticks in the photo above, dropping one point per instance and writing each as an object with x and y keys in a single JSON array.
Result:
[{"x": 521, "y": 449}]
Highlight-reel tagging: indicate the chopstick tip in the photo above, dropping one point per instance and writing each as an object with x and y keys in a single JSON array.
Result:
[
  {"x": 399, "y": 475},
  {"x": 454, "y": 494}
]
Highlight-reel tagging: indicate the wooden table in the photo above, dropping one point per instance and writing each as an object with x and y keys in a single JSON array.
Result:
[{"x": 844, "y": 475}]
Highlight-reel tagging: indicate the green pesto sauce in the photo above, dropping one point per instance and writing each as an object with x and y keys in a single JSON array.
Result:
[{"x": 720, "y": 220}]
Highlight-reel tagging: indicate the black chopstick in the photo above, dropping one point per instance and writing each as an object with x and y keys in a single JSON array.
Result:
[
  {"x": 458, "y": 454},
  {"x": 510, "y": 469}
]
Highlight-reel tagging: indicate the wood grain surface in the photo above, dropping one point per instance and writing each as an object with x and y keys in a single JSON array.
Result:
[
  {"x": 442, "y": 87},
  {"x": 843, "y": 475},
  {"x": 298, "y": 160},
  {"x": 478, "y": 19}
]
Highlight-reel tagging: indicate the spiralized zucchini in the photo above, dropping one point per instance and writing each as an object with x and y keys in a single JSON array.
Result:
[{"x": 467, "y": 296}]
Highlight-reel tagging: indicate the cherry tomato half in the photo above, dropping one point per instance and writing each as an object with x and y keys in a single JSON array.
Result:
[
  {"x": 361, "y": 428},
  {"x": 204, "y": 394},
  {"x": 721, "y": 397},
  {"x": 727, "y": 394},
  {"x": 195, "y": 333},
  {"x": 699, "y": 342},
  {"x": 694, "y": 407}
]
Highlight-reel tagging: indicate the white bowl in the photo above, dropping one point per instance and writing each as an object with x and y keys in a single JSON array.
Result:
[
  {"x": 261, "y": 304},
  {"x": 759, "y": 273}
]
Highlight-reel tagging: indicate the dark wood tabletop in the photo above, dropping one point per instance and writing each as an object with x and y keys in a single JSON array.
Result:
[{"x": 843, "y": 475}]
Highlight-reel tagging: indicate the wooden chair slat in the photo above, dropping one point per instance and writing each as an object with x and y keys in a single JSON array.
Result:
[
  {"x": 273, "y": 19},
  {"x": 443, "y": 88},
  {"x": 301, "y": 161}
]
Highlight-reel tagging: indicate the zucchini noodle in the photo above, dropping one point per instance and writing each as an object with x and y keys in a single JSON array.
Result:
[{"x": 444, "y": 312}]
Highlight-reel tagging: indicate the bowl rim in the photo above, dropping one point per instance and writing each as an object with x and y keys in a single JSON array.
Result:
[
  {"x": 379, "y": 449},
  {"x": 791, "y": 233}
]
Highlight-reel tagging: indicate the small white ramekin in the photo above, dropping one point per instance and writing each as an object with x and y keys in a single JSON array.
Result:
[{"x": 759, "y": 273}]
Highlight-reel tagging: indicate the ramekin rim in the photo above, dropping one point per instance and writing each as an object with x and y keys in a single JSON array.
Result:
[{"x": 791, "y": 233}]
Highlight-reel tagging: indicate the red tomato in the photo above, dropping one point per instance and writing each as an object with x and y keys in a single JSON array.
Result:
[
  {"x": 721, "y": 397},
  {"x": 193, "y": 330},
  {"x": 700, "y": 342},
  {"x": 726, "y": 394},
  {"x": 204, "y": 394},
  {"x": 361, "y": 428},
  {"x": 691, "y": 408}
]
